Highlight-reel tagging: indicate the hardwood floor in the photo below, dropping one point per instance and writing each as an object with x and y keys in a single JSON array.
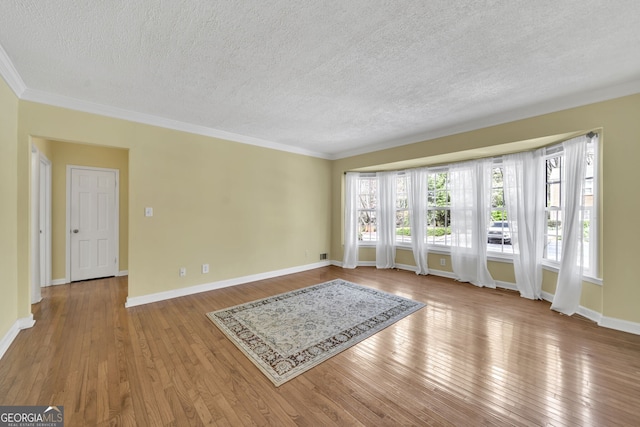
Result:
[{"x": 470, "y": 357}]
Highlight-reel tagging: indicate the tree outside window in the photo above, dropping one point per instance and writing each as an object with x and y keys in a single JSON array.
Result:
[{"x": 438, "y": 209}]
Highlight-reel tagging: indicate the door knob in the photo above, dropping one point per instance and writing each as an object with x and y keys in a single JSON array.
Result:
[{"x": 75, "y": 230}]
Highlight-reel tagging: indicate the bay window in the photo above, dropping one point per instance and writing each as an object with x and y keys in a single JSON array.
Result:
[
  {"x": 437, "y": 210},
  {"x": 554, "y": 204}
]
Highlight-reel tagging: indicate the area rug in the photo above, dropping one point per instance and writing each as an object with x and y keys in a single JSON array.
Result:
[{"x": 288, "y": 334}]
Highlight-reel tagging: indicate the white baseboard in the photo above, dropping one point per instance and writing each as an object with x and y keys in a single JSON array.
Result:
[
  {"x": 442, "y": 273},
  {"x": 620, "y": 325},
  {"x": 175, "y": 293},
  {"x": 506, "y": 285},
  {"x": 547, "y": 296},
  {"x": 366, "y": 264},
  {"x": 23, "y": 323},
  {"x": 63, "y": 281},
  {"x": 407, "y": 267},
  {"x": 590, "y": 314},
  {"x": 26, "y": 322},
  {"x": 606, "y": 322},
  {"x": 8, "y": 338}
]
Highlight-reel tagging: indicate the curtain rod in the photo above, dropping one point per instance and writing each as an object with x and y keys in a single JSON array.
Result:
[{"x": 590, "y": 134}]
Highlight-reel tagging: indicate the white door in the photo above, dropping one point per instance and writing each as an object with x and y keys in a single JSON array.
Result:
[{"x": 93, "y": 223}]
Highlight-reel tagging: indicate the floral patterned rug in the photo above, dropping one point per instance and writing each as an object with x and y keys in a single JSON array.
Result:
[{"x": 288, "y": 334}]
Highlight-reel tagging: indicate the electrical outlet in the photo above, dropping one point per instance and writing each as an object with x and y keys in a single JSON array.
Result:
[
  {"x": 183, "y": 271},
  {"x": 443, "y": 261},
  {"x": 205, "y": 268}
]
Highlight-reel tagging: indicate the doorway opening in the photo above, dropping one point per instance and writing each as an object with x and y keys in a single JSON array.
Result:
[{"x": 113, "y": 252}]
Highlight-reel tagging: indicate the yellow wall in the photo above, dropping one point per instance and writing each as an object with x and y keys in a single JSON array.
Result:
[
  {"x": 62, "y": 154},
  {"x": 44, "y": 147},
  {"x": 8, "y": 209},
  {"x": 618, "y": 297},
  {"x": 248, "y": 210},
  {"x": 240, "y": 208}
]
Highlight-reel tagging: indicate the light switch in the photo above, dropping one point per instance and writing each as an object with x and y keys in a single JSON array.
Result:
[{"x": 148, "y": 211}]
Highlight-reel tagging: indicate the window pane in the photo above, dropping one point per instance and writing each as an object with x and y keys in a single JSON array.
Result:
[
  {"x": 554, "y": 169},
  {"x": 497, "y": 198},
  {"x": 553, "y": 195},
  {"x": 431, "y": 198},
  {"x": 497, "y": 177},
  {"x": 553, "y": 203},
  {"x": 438, "y": 227},
  {"x": 586, "y": 230},
  {"x": 442, "y": 198},
  {"x": 366, "y": 205},
  {"x": 553, "y": 246},
  {"x": 401, "y": 201},
  {"x": 499, "y": 235},
  {"x": 403, "y": 230},
  {"x": 365, "y": 202},
  {"x": 367, "y": 226}
]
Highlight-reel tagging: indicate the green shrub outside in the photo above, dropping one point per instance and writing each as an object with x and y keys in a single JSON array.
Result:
[{"x": 439, "y": 231}]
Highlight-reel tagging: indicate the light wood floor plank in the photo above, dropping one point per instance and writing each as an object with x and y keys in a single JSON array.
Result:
[{"x": 472, "y": 356}]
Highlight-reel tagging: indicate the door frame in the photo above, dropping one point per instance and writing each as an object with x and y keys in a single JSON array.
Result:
[
  {"x": 116, "y": 228},
  {"x": 45, "y": 166},
  {"x": 40, "y": 277}
]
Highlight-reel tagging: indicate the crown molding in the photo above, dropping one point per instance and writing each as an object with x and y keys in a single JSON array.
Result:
[
  {"x": 149, "y": 119},
  {"x": 558, "y": 104},
  {"x": 17, "y": 85},
  {"x": 10, "y": 74},
  {"x": 576, "y": 100}
]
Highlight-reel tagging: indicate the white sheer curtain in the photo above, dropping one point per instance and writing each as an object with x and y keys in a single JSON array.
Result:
[
  {"x": 470, "y": 184},
  {"x": 569, "y": 285},
  {"x": 350, "y": 258},
  {"x": 417, "y": 217},
  {"x": 524, "y": 199},
  {"x": 386, "y": 216}
]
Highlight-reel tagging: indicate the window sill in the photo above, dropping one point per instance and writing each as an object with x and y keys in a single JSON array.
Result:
[
  {"x": 498, "y": 257},
  {"x": 443, "y": 250},
  {"x": 367, "y": 244},
  {"x": 555, "y": 267}
]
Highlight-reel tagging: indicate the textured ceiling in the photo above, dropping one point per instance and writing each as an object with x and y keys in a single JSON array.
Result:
[{"x": 330, "y": 78}]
